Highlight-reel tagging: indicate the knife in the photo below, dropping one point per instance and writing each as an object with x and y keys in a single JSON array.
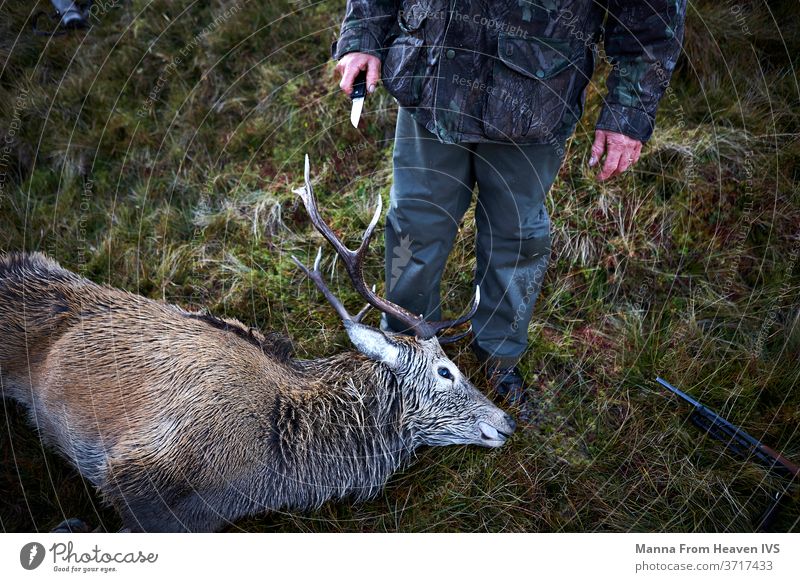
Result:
[{"x": 358, "y": 94}]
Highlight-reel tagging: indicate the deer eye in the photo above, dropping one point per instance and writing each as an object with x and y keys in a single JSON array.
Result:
[{"x": 445, "y": 373}]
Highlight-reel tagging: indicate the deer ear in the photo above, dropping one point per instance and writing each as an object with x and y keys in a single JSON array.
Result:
[{"x": 373, "y": 343}]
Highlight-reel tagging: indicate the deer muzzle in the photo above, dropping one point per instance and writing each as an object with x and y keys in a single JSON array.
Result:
[{"x": 496, "y": 433}]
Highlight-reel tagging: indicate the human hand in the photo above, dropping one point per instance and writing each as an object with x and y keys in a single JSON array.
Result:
[
  {"x": 621, "y": 152},
  {"x": 351, "y": 64}
]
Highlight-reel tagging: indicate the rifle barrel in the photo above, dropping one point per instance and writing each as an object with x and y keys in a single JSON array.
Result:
[
  {"x": 735, "y": 438},
  {"x": 680, "y": 393}
]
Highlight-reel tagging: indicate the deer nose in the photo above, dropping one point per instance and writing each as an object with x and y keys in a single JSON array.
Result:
[{"x": 512, "y": 424}]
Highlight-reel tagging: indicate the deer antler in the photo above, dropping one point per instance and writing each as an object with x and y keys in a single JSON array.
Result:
[
  {"x": 354, "y": 263},
  {"x": 316, "y": 275}
]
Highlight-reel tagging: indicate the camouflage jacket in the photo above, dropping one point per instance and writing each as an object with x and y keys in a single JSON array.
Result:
[{"x": 516, "y": 70}]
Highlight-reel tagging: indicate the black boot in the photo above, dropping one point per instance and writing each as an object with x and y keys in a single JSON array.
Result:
[{"x": 508, "y": 384}]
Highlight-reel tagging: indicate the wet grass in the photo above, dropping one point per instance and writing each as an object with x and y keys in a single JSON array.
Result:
[{"x": 174, "y": 180}]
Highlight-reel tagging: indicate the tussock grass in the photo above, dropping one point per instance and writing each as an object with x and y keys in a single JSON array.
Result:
[{"x": 175, "y": 181}]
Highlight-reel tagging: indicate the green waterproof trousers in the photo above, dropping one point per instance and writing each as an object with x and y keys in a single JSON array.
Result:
[{"x": 431, "y": 191}]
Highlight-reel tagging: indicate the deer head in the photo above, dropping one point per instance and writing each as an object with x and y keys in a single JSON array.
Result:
[{"x": 443, "y": 405}]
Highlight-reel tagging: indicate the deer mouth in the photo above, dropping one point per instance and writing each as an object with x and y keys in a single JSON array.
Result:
[{"x": 491, "y": 436}]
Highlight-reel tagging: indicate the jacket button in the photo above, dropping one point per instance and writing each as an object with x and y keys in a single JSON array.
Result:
[
  {"x": 450, "y": 54},
  {"x": 540, "y": 73}
]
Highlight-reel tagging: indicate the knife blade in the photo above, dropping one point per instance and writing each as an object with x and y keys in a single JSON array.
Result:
[{"x": 358, "y": 94}]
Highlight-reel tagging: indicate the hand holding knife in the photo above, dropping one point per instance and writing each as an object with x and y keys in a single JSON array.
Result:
[{"x": 358, "y": 94}]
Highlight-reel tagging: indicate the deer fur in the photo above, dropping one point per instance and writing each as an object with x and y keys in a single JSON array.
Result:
[{"x": 187, "y": 422}]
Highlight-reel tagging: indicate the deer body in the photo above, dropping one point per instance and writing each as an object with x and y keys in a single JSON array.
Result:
[
  {"x": 167, "y": 413},
  {"x": 187, "y": 422}
]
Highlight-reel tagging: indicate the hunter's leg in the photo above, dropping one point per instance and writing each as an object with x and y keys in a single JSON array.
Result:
[
  {"x": 513, "y": 244},
  {"x": 431, "y": 191}
]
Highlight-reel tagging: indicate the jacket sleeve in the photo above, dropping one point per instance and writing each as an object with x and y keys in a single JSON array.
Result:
[
  {"x": 365, "y": 26},
  {"x": 643, "y": 42}
]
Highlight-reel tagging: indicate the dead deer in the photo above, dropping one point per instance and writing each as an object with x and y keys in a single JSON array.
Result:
[{"x": 187, "y": 422}]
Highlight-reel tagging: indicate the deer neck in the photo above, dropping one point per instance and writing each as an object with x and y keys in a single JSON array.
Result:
[{"x": 340, "y": 433}]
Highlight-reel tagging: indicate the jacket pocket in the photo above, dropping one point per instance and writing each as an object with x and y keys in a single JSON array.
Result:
[
  {"x": 403, "y": 67},
  {"x": 531, "y": 87}
]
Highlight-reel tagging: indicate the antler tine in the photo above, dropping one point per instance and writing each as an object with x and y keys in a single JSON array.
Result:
[
  {"x": 364, "y": 310},
  {"x": 310, "y": 202},
  {"x": 316, "y": 275},
  {"x": 449, "y": 339},
  {"x": 367, "y": 236},
  {"x": 440, "y": 326}
]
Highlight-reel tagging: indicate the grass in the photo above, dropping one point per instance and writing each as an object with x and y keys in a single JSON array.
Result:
[{"x": 174, "y": 180}]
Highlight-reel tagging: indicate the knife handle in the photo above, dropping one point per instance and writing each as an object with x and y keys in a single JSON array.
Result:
[{"x": 359, "y": 85}]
